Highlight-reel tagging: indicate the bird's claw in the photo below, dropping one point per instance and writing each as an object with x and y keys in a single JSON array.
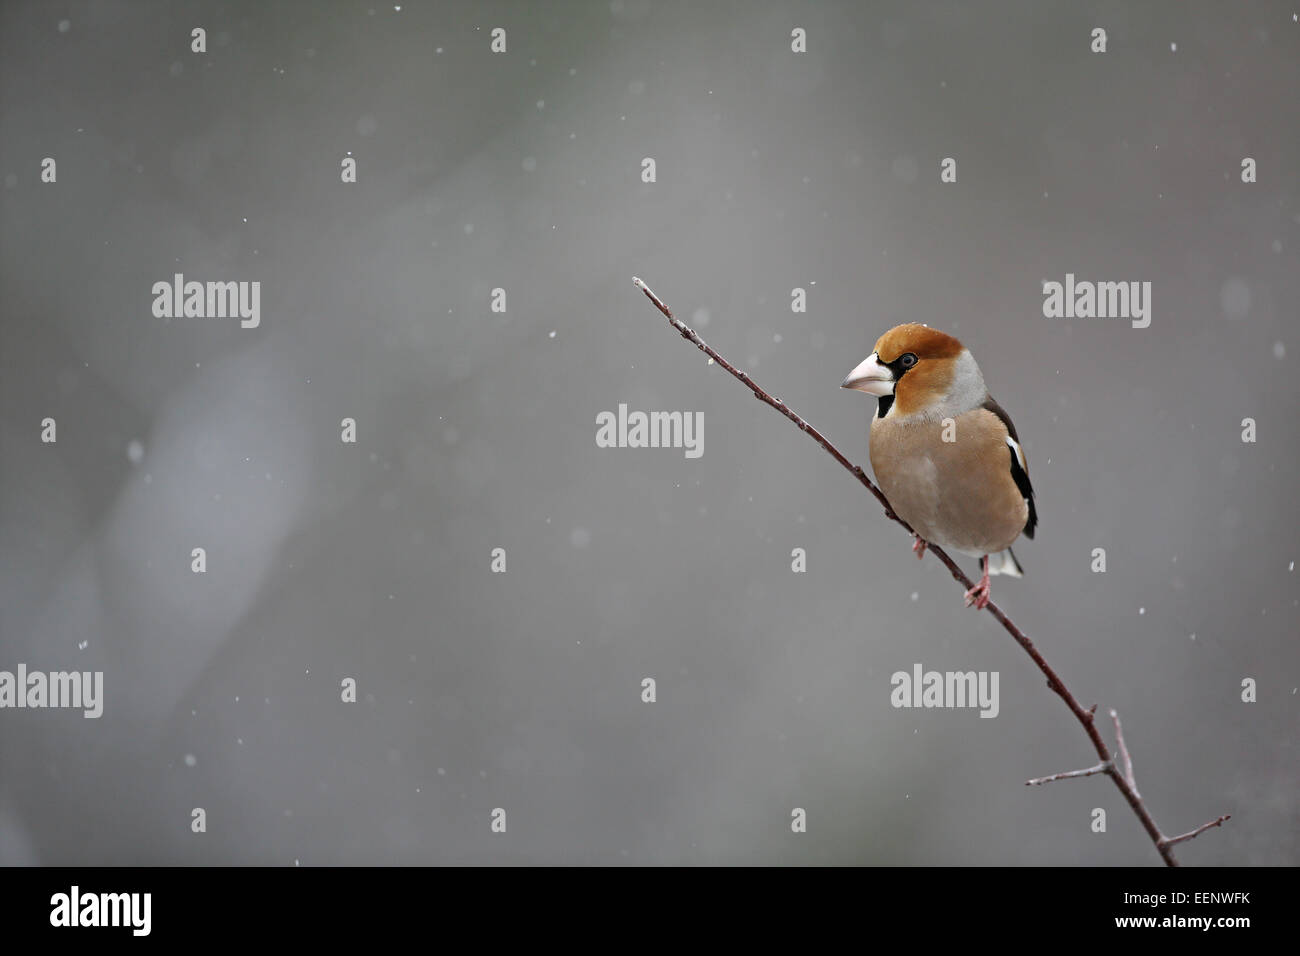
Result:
[
  {"x": 918, "y": 547},
  {"x": 978, "y": 596}
]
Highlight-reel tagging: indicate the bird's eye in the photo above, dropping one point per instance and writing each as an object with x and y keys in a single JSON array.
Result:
[{"x": 907, "y": 360}]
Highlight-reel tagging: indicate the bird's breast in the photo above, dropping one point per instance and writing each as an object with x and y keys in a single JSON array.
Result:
[{"x": 952, "y": 483}]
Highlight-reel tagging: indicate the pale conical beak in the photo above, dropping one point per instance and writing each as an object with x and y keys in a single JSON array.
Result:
[{"x": 870, "y": 377}]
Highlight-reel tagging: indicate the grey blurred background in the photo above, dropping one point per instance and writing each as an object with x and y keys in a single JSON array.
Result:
[{"x": 522, "y": 170}]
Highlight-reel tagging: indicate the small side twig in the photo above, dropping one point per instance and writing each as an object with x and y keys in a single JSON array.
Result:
[
  {"x": 1123, "y": 780},
  {"x": 1191, "y": 834},
  {"x": 1103, "y": 767},
  {"x": 1123, "y": 752}
]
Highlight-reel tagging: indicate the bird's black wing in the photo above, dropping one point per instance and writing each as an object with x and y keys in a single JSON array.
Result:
[{"x": 1018, "y": 473}]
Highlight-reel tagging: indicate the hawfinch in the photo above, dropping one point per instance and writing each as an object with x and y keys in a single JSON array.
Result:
[{"x": 944, "y": 452}]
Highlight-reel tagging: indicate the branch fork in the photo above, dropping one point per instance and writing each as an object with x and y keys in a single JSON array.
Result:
[{"x": 1122, "y": 774}]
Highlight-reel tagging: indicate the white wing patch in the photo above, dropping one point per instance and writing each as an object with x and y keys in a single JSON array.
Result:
[{"x": 1020, "y": 455}]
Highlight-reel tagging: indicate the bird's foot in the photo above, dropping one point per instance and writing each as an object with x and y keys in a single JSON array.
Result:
[
  {"x": 918, "y": 547},
  {"x": 978, "y": 596}
]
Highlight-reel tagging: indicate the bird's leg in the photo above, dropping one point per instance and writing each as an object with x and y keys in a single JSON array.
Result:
[
  {"x": 978, "y": 596},
  {"x": 918, "y": 546}
]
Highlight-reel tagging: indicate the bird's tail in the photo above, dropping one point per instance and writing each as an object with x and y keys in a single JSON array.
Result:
[{"x": 1004, "y": 562}]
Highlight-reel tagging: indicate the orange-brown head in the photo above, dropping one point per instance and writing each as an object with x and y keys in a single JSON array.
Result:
[{"x": 916, "y": 369}]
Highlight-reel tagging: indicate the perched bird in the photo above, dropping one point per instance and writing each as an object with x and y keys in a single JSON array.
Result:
[{"x": 944, "y": 452}]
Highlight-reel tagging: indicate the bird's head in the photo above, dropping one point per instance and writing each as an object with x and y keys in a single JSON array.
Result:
[{"x": 916, "y": 369}]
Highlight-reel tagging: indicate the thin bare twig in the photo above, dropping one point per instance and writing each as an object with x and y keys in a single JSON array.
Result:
[
  {"x": 1103, "y": 767},
  {"x": 1123, "y": 752},
  {"x": 1190, "y": 834},
  {"x": 1162, "y": 843}
]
